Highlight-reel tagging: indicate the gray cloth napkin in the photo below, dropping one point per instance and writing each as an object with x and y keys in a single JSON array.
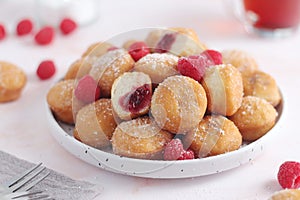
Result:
[{"x": 57, "y": 185}]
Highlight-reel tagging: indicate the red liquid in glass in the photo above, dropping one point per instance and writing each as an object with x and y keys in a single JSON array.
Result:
[{"x": 274, "y": 14}]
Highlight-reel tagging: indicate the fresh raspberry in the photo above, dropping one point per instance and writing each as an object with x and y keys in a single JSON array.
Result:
[
  {"x": 44, "y": 36},
  {"x": 2, "y": 32},
  {"x": 24, "y": 27},
  {"x": 87, "y": 89},
  {"x": 187, "y": 155},
  {"x": 67, "y": 26},
  {"x": 46, "y": 69},
  {"x": 289, "y": 175},
  {"x": 138, "y": 50},
  {"x": 214, "y": 56},
  {"x": 192, "y": 66},
  {"x": 174, "y": 151}
]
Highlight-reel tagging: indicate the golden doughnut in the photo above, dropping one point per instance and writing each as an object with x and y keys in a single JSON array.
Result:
[
  {"x": 254, "y": 118},
  {"x": 12, "y": 81},
  {"x": 140, "y": 138},
  {"x": 214, "y": 135},
  {"x": 178, "y": 104}
]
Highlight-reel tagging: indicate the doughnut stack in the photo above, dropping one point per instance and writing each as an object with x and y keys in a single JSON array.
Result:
[{"x": 136, "y": 99}]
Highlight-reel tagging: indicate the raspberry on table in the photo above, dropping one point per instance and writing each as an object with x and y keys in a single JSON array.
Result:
[
  {"x": 87, "y": 89},
  {"x": 45, "y": 35},
  {"x": 2, "y": 32},
  {"x": 289, "y": 175},
  {"x": 174, "y": 151},
  {"x": 67, "y": 26},
  {"x": 138, "y": 50},
  {"x": 46, "y": 69},
  {"x": 24, "y": 27}
]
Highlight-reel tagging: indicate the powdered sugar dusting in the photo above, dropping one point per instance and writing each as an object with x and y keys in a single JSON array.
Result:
[{"x": 158, "y": 66}]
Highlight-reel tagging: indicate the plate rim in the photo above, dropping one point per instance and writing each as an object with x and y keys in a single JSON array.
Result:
[{"x": 91, "y": 154}]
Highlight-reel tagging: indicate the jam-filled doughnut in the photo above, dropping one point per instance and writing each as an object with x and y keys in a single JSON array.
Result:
[
  {"x": 140, "y": 138},
  {"x": 12, "y": 81},
  {"x": 110, "y": 66},
  {"x": 214, "y": 135},
  {"x": 158, "y": 66},
  {"x": 261, "y": 84},
  {"x": 224, "y": 88},
  {"x": 178, "y": 104},
  {"x": 242, "y": 60},
  {"x": 95, "y": 124},
  {"x": 254, "y": 118},
  {"x": 59, "y": 99},
  {"x": 178, "y": 41},
  {"x": 131, "y": 95}
]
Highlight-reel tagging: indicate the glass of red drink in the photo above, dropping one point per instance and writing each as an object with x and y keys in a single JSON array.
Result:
[{"x": 275, "y": 18}]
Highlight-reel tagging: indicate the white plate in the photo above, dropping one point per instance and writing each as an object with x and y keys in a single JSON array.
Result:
[{"x": 158, "y": 169}]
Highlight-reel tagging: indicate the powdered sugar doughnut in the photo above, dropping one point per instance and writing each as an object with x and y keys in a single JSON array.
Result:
[
  {"x": 110, "y": 66},
  {"x": 59, "y": 99},
  {"x": 214, "y": 135},
  {"x": 254, "y": 118},
  {"x": 243, "y": 61},
  {"x": 95, "y": 124},
  {"x": 261, "y": 84},
  {"x": 131, "y": 95},
  {"x": 12, "y": 81},
  {"x": 79, "y": 68},
  {"x": 157, "y": 66},
  {"x": 140, "y": 138},
  {"x": 224, "y": 88},
  {"x": 178, "y": 104}
]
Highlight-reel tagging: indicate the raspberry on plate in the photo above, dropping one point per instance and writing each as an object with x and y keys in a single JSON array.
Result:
[
  {"x": 45, "y": 35},
  {"x": 2, "y": 32},
  {"x": 137, "y": 50},
  {"x": 87, "y": 89},
  {"x": 174, "y": 151},
  {"x": 214, "y": 56},
  {"x": 67, "y": 26},
  {"x": 24, "y": 27},
  {"x": 195, "y": 66},
  {"x": 192, "y": 66},
  {"x": 46, "y": 69},
  {"x": 289, "y": 175}
]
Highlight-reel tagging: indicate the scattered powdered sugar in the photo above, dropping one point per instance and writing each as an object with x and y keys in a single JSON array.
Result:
[{"x": 158, "y": 66}]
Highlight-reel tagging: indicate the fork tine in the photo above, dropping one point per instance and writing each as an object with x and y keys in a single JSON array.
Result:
[
  {"x": 21, "y": 176},
  {"x": 33, "y": 183},
  {"x": 27, "y": 178},
  {"x": 21, "y": 195},
  {"x": 45, "y": 196}
]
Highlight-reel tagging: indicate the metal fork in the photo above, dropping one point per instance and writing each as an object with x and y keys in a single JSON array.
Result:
[
  {"x": 23, "y": 183},
  {"x": 26, "y": 196}
]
